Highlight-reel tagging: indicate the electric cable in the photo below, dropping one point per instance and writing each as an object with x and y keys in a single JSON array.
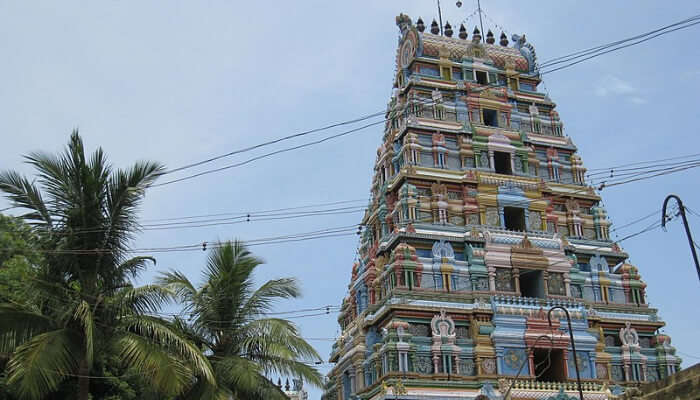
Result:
[
  {"x": 368, "y": 116},
  {"x": 258, "y": 211},
  {"x": 248, "y": 161},
  {"x": 614, "y": 49},
  {"x": 246, "y": 218},
  {"x": 644, "y": 162},
  {"x": 327, "y": 232},
  {"x": 592, "y": 50},
  {"x": 296, "y": 135},
  {"x": 653, "y": 213},
  {"x": 284, "y": 150}
]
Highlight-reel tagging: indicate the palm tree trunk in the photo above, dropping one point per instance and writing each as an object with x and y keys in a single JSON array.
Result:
[{"x": 83, "y": 381}]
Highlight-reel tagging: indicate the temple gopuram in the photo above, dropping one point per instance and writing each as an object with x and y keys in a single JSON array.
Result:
[{"x": 481, "y": 221}]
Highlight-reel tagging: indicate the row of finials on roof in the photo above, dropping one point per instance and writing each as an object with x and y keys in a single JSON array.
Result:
[{"x": 476, "y": 35}]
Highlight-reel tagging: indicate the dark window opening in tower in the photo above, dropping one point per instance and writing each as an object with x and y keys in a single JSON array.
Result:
[
  {"x": 446, "y": 73},
  {"x": 513, "y": 84},
  {"x": 531, "y": 283},
  {"x": 514, "y": 218},
  {"x": 502, "y": 163},
  {"x": 549, "y": 365},
  {"x": 482, "y": 78},
  {"x": 490, "y": 117}
]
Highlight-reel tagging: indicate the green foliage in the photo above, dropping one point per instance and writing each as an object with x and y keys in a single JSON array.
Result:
[
  {"x": 229, "y": 321},
  {"x": 83, "y": 312},
  {"x": 74, "y": 326},
  {"x": 19, "y": 259},
  {"x": 121, "y": 383}
]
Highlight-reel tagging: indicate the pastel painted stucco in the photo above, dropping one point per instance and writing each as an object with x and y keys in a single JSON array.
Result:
[{"x": 480, "y": 221}]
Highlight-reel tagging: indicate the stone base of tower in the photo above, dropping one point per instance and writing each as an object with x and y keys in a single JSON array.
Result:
[{"x": 554, "y": 391}]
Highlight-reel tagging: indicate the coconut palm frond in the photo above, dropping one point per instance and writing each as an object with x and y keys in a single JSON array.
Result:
[
  {"x": 19, "y": 324},
  {"x": 39, "y": 365},
  {"x": 156, "y": 331}
]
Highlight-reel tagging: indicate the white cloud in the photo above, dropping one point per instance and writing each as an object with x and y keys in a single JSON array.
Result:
[{"x": 612, "y": 86}]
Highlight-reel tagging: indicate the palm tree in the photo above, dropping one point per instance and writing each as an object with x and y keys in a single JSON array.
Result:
[
  {"x": 85, "y": 214},
  {"x": 229, "y": 319}
]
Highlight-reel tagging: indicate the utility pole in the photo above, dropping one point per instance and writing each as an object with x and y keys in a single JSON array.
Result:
[
  {"x": 685, "y": 224},
  {"x": 573, "y": 345}
]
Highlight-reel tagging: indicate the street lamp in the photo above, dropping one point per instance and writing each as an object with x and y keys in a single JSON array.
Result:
[{"x": 685, "y": 224}]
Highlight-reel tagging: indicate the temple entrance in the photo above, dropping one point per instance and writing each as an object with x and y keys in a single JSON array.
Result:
[{"x": 549, "y": 365}]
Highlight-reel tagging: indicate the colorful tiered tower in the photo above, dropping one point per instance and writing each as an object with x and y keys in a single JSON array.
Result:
[{"x": 480, "y": 222}]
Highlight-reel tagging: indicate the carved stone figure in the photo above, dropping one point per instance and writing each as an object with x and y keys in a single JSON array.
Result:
[
  {"x": 492, "y": 217},
  {"x": 466, "y": 367},
  {"x": 488, "y": 365},
  {"x": 504, "y": 279},
  {"x": 418, "y": 330},
  {"x": 423, "y": 365},
  {"x": 556, "y": 283},
  {"x": 437, "y": 96},
  {"x": 481, "y": 284},
  {"x": 443, "y": 249},
  {"x": 629, "y": 336},
  {"x": 601, "y": 371},
  {"x": 483, "y": 160},
  {"x": 443, "y": 326},
  {"x": 576, "y": 291},
  {"x": 535, "y": 221},
  {"x": 513, "y": 358}
]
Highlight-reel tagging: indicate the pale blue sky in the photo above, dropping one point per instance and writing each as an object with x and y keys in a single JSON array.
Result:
[{"x": 178, "y": 81}]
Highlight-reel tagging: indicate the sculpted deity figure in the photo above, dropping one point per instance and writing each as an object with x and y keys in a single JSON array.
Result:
[
  {"x": 483, "y": 160},
  {"x": 442, "y": 325},
  {"x": 437, "y": 96},
  {"x": 629, "y": 336}
]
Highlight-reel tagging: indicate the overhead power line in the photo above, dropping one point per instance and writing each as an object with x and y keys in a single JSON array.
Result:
[
  {"x": 604, "y": 171},
  {"x": 396, "y": 111},
  {"x": 297, "y": 135},
  {"x": 596, "y": 49},
  {"x": 628, "y": 171},
  {"x": 569, "y": 60},
  {"x": 252, "y": 217},
  {"x": 636, "y": 221},
  {"x": 240, "y": 219},
  {"x": 293, "y": 136},
  {"x": 579, "y": 59},
  {"x": 636, "y": 163},
  {"x": 272, "y": 153},
  {"x": 346, "y": 230},
  {"x": 333, "y": 203}
]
